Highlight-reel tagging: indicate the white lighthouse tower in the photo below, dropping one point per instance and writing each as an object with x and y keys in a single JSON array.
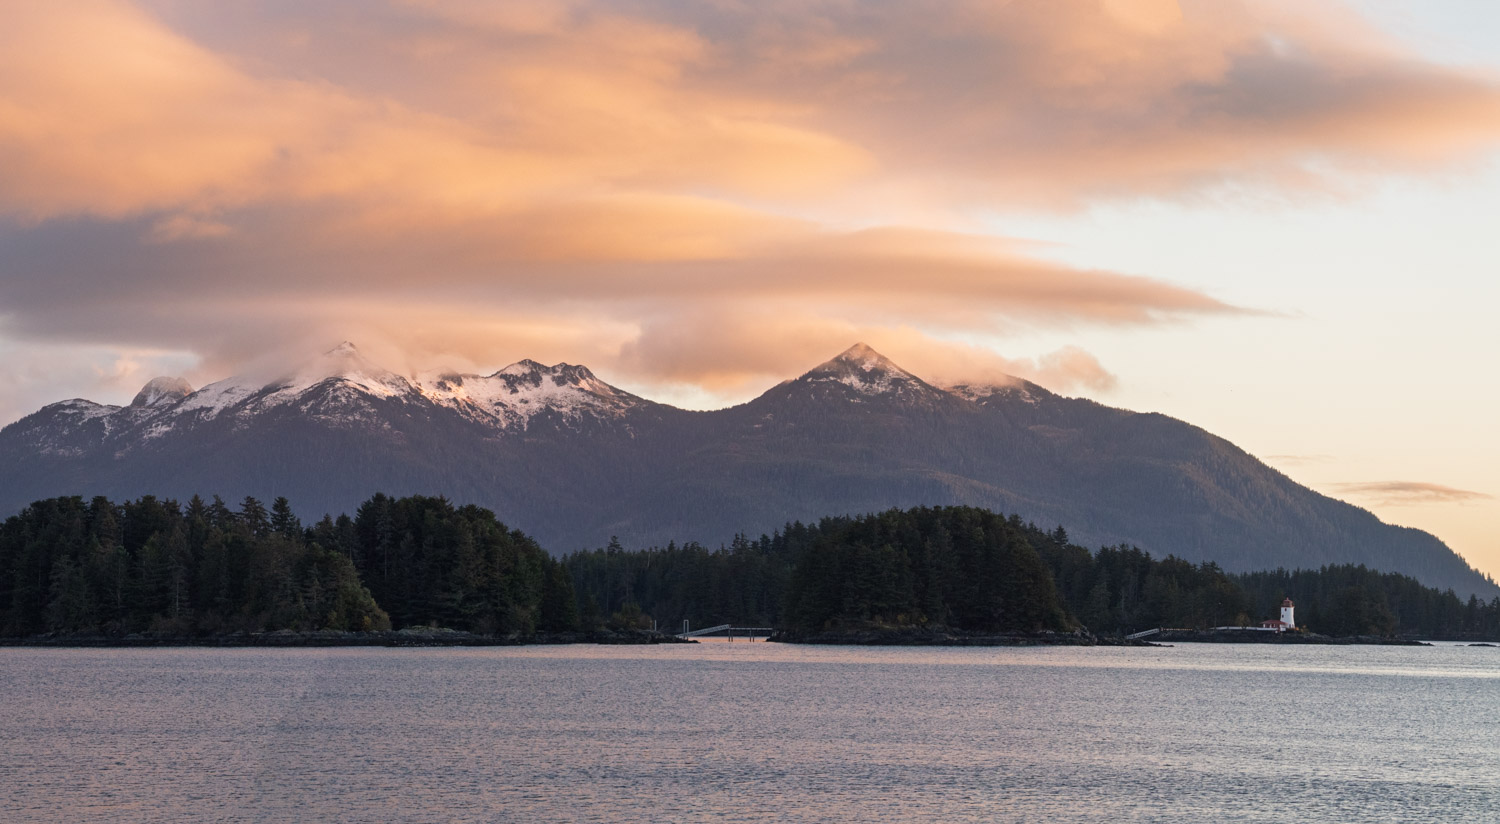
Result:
[{"x": 1286, "y": 614}]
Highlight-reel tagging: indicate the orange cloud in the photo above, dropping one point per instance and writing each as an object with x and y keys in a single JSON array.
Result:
[
  {"x": 111, "y": 113},
  {"x": 271, "y": 282},
  {"x": 469, "y": 109},
  {"x": 1055, "y": 103}
]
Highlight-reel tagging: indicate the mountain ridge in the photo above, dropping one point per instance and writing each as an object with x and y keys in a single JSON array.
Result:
[{"x": 574, "y": 460}]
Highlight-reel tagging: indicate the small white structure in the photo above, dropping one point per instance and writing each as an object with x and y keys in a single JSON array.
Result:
[{"x": 1286, "y": 623}]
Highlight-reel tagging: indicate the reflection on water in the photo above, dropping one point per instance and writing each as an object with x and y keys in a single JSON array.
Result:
[{"x": 752, "y": 732}]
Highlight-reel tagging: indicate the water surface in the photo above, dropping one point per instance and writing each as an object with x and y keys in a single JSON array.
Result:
[{"x": 752, "y": 732}]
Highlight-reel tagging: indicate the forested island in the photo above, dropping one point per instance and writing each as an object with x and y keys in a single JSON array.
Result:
[{"x": 76, "y": 571}]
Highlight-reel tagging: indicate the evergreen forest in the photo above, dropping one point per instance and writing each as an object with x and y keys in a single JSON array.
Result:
[
  {"x": 200, "y": 569},
  {"x": 203, "y": 568},
  {"x": 969, "y": 569}
]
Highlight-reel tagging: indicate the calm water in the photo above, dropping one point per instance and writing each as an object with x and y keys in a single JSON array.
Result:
[{"x": 752, "y": 732}]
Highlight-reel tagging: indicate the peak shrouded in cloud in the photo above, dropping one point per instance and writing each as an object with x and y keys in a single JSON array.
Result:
[
  {"x": 608, "y": 182},
  {"x": 862, "y": 356},
  {"x": 162, "y": 390}
]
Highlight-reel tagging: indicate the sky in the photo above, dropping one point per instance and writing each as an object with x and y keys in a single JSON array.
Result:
[{"x": 1270, "y": 218}]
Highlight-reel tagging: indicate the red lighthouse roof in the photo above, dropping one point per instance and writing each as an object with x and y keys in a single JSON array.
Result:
[{"x": 1287, "y": 602}]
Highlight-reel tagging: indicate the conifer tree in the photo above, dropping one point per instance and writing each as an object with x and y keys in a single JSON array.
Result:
[
  {"x": 254, "y": 517},
  {"x": 283, "y": 522}
]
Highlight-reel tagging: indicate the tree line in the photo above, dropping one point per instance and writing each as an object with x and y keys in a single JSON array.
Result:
[
  {"x": 1354, "y": 600},
  {"x": 1122, "y": 589},
  {"x": 202, "y": 568},
  {"x": 743, "y": 583},
  {"x": 969, "y": 569},
  {"x": 959, "y": 568},
  {"x": 199, "y": 569}
]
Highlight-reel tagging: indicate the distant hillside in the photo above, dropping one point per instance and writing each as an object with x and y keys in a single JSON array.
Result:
[{"x": 573, "y": 460}]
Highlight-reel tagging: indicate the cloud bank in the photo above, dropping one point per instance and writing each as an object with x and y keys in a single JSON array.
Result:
[
  {"x": 1400, "y": 493},
  {"x": 703, "y": 194}
]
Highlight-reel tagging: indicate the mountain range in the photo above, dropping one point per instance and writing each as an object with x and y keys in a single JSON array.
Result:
[{"x": 572, "y": 460}]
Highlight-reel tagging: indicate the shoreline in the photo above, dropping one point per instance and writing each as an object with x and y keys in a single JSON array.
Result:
[
  {"x": 439, "y": 637},
  {"x": 411, "y": 637},
  {"x": 1190, "y": 636},
  {"x": 952, "y": 638},
  {"x": 1079, "y": 638}
]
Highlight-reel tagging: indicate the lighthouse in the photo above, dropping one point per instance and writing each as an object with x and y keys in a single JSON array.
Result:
[{"x": 1286, "y": 614}]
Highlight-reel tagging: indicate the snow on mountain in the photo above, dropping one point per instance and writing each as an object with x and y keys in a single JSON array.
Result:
[
  {"x": 1014, "y": 389},
  {"x": 513, "y": 396},
  {"x": 341, "y": 388},
  {"x": 219, "y": 396},
  {"x": 81, "y": 410},
  {"x": 868, "y": 372},
  {"x": 343, "y": 364},
  {"x": 162, "y": 390},
  {"x": 66, "y": 428},
  {"x": 348, "y": 380},
  {"x": 345, "y": 389}
]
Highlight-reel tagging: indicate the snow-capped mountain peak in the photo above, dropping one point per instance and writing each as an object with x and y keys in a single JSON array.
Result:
[
  {"x": 531, "y": 373},
  {"x": 344, "y": 388},
  {"x": 165, "y": 390},
  {"x": 522, "y": 368},
  {"x": 866, "y": 371},
  {"x": 345, "y": 363},
  {"x": 865, "y": 357},
  {"x": 349, "y": 378},
  {"x": 512, "y": 396}
]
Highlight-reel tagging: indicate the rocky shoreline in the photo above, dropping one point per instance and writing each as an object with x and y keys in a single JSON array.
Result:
[
  {"x": 906, "y": 637},
  {"x": 1253, "y": 637},
  {"x": 410, "y": 637},
  {"x": 929, "y": 637}
]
